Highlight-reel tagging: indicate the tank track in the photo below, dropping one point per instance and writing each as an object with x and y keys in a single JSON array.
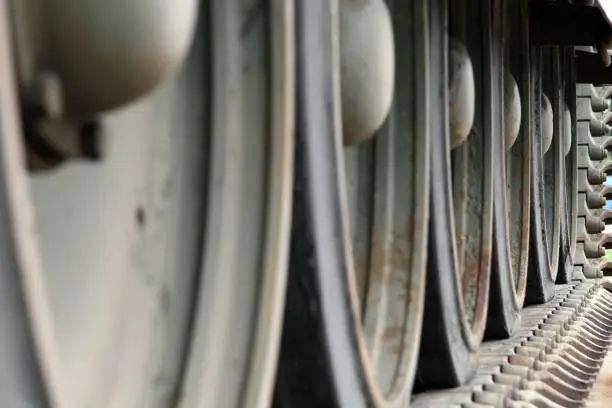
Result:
[{"x": 552, "y": 360}]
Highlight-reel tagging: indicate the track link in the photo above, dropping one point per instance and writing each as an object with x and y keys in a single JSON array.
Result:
[{"x": 552, "y": 360}]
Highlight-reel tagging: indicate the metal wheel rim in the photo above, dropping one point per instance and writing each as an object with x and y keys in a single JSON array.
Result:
[
  {"x": 387, "y": 222},
  {"x": 552, "y": 169},
  {"x": 37, "y": 348},
  {"x": 241, "y": 60},
  {"x": 472, "y": 187},
  {"x": 517, "y": 160},
  {"x": 571, "y": 160},
  {"x": 258, "y": 187}
]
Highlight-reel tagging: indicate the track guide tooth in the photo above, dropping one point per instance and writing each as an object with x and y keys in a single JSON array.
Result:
[{"x": 552, "y": 360}]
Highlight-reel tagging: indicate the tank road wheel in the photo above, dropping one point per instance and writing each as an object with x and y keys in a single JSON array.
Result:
[
  {"x": 466, "y": 117},
  {"x": 512, "y": 167},
  {"x": 569, "y": 221},
  {"x": 358, "y": 251},
  {"x": 138, "y": 281},
  {"x": 548, "y": 180}
]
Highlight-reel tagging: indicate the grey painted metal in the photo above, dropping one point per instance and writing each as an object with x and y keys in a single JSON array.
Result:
[
  {"x": 593, "y": 119},
  {"x": 551, "y": 361},
  {"x": 471, "y": 169},
  {"x": 171, "y": 254},
  {"x": 511, "y": 222},
  {"x": 546, "y": 119},
  {"x": 145, "y": 277},
  {"x": 237, "y": 322},
  {"x": 553, "y": 158},
  {"x": 367, "y": 65},
  {"x": 106, "y": 54},
  {"x": 386, "y": 193},
  {"x": 120, "y": 245},
  {"x": 461, "y": 92},
  {"x": 567, "y": 131},
  {"x": 512, "y": 110},
  {"x": 517, "y": 158},
  {"x": 28, "y": 370}
]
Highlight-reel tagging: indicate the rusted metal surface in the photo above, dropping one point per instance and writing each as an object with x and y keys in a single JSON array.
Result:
[
  {"x": 518, "y": 157},
  {"x": 358, "y": 166},
  {"x": 554, "y": 175},
  {"x": 472, "y": 184},
  {"x": 387, "y": 186},
  {"x": 392, "y": 300}
]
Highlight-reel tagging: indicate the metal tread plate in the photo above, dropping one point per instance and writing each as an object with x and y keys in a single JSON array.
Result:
[{"x": 552, "y": 360}]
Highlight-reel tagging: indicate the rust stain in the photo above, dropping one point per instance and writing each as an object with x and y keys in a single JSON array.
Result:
[
  {"x": 409, "y": 233},
  {"x": 377, "y": 261},
  {"x": 390, "y": 271},
  {"x": 178, "y": 399},
  {"x": 361, "y": 257},
  {"x": 482, "y": 299},
  {"x": 392, "y": 339},
  {"x": 388, "y": 265},
  {"x": 475, "y": 284},
  {"x": 392, "y": 333}
]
